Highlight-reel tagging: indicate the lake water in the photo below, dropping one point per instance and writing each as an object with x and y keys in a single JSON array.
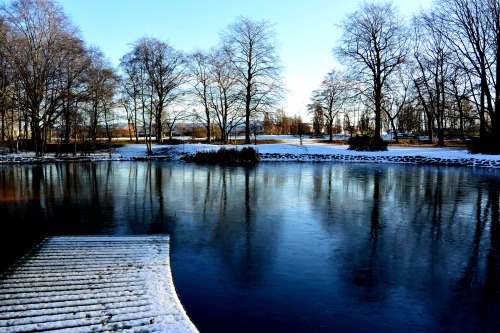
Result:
[{"x": 287, "y": 247}]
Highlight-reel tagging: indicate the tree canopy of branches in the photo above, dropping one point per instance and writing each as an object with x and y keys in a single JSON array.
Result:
[
  {"x": 252, "y": 50},
  {"x": 101, "y": 82},
  {"x": 225, "y": 93},
  {"x": 217, "y": 87},
  {"x": 397, "y": 99},
  {"x": 199, "y": 68},
  {"x": 374, "y": 43},
  {"x": 5, "y": 80},
  {"x": 472, "y": 29},
  {"x": 41, "y": 43},
  {"x": 443, "y": 80},
  {"x": 431, "y": 54},
  {"x": 155, "y": 73},
  {"x": 330, "y": 97}
]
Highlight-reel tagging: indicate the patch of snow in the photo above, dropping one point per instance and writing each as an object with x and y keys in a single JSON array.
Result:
[{"x": 93, "y": 283}]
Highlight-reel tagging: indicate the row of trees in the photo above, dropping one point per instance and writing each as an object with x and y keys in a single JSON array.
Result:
[
  {"x": 437, "y": 73},
  {"x": 441, "y": 69},
  {"x": 52, "y": 84},
  {"x": 47, "y": 73},
  {"x": 234, "y": 82}
]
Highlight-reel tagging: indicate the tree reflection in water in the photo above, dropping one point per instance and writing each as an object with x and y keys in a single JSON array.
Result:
[{"x": 287, "y": 247}]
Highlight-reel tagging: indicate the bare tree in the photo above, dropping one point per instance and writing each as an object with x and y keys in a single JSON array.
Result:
[
  {"x": 282, "y": 122},
  {"x": 39, "y": 33},
  {"x": 173, "y": 117},
  {"x": 254, "y": 54},
  {"x": 397, "y": 99},
  {"x": 165, "y": 68},
  {"x": 199, "y": 67},
  {"x": 318, "y": 118},
  {"x": 155, "y": 73},
  {"x": 431, "y": 54},
  {"x": 374, "y": 44},
  {"x": 6, "y": 79},
  {"x": 139, "y": 90},
  {"x": 224, "y": 93},
  {"x": 131, "y": 87},
  {"x": 101, "y": 82},
  {"x": 72, "y": 83},
  {"x": 473, "y": 31},
  {"x": 461, "y": 91},
  {"x": 331, "y": 96}
]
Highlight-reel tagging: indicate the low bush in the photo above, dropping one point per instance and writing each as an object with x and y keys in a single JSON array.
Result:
[
  {"x": 366, "y": 143},
  {"x": 247, "y": 155},
  {"x": 487, "y": 144}
]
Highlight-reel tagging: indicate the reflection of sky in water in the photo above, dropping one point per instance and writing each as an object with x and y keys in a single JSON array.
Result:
[{"x": 290, "y": 247}]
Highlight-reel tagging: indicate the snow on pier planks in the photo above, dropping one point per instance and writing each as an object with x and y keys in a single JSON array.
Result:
[{"x": 93, "y": 284}]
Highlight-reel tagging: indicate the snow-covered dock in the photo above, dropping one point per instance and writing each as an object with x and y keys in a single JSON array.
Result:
[{"x": 93, "y": 284}]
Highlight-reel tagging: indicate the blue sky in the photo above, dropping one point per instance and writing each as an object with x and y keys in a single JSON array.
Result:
[{"x": 305, "y": 30}]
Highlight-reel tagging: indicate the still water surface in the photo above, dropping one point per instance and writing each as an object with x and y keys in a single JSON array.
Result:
[{"x": 287, "y": 247}]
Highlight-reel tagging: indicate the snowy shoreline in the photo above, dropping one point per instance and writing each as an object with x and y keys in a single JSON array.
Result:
[{"x": 290, "y": 151}]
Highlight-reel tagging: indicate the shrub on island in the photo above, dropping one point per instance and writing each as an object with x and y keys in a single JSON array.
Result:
[
  {"x": 366, "y": 143},
  {"x": 247, "y": 155},
  {"x": 486, "y": 144}
]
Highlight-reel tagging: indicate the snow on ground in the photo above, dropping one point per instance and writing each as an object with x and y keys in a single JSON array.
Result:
[
  {"x": 93, "y": 284},
  {"x": 290, "y": 148}
]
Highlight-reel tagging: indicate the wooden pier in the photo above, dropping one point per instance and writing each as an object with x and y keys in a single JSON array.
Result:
[{"x": 93, "y": 284}]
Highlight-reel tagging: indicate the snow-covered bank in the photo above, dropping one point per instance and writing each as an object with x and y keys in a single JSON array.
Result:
[
  {"x": 396, "y": 154},
  {"x": 289, "y": 151},
  {"x": 340, "y": 153},
  {"x": 94, "y": 284}
]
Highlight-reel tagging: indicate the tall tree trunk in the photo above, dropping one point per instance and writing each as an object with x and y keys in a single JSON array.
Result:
[
  {"x": 209, "y": 125},
  {"x": 159, "y": 126},
  {"x": 430, "y": 126},
  {"x": 378, "y": 106},
  {"x": 496, "y": 118},
  {"x": 247, "y": 113}
]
